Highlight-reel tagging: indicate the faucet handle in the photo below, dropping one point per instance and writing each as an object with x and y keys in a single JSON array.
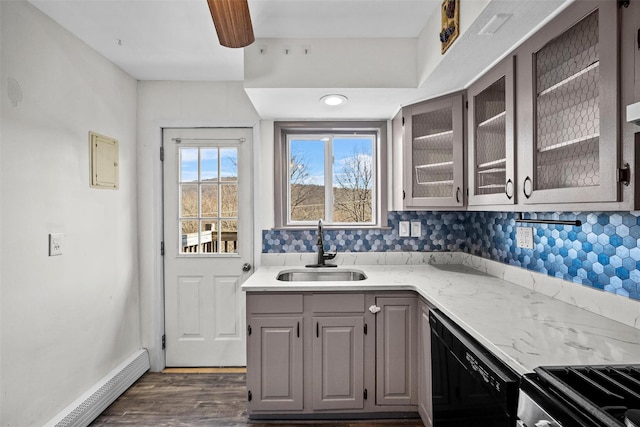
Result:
[{"x": 330, "y": 255}]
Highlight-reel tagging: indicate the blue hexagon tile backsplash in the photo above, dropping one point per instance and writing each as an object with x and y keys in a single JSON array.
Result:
[{"x": 604, "y": 252}]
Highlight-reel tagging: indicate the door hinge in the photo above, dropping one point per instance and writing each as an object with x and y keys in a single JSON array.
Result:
[
  {"x": 248, "y": 329},
  {"x": 623, "y": 3},
  {"x": 364, "y": 394},
  {"x": 365, "y": 329},
  {"x": 249, "y": 396},
  {"x": 624, "y": 174},
  {"x": 164, "y": 342},
  {"x": 162, "y": 154},
  {"x": 162, "y": 248},
  {"x": 404, "y": 195}
]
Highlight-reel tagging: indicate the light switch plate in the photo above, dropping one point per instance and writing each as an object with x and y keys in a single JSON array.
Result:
[
  {"x": 55, "y": 244},
  {"x": 524, "y": 237},
  {"x": 416, "y": 229},
  {"x": 404, "y": 229}
]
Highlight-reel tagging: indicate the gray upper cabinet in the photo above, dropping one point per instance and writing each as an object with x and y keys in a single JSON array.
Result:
[
  {"x": 568, "y": 108},
  {"x": 491, "y": 118},
  {"x": 433, "y": 153}
]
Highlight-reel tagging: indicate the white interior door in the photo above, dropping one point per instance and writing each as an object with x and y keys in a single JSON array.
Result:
[{"x": 208, "y": 241}]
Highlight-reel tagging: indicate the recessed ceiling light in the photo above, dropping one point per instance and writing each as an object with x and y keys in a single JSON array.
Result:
[{"x": 334, "y": 99}]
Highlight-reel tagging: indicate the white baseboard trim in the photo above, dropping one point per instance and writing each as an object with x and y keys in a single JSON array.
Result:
[{"x": 87, "y": 407}]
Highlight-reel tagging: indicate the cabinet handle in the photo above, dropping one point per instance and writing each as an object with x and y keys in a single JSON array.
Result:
[
  {"x": 524, "y": 187},
  {"x": 298, "y": 330},
  {"x": 317, "y": 330},
  {"x": 506, "y": 189},
  {"x": 458, "y": 195}
]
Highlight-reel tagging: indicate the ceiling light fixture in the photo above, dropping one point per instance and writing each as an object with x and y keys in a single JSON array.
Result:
[
  {"x": 232, "y": 21},
  {"x": 495, "y": 24},
  {"x": 334, "y": 99}
]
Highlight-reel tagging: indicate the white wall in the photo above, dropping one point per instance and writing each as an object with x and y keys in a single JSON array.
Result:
[
  {"x": 67, "y": 320},
  {"x": 174, "y": 104}
]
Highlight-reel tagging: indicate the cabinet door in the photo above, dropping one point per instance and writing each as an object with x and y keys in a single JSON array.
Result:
[
  {"x": 433, "y": 155},
  {"x": 425, "y": 403},
  {"x": 274, "y": 364},
  {"x": 396, "y": 351},
  {"x": 338, "y": 363},
  {"x": 568, "y": 79},
  {"x": 491, "y": 137}
]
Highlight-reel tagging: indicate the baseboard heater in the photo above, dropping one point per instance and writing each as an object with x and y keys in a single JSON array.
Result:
[{"x": 87, "y": 407}]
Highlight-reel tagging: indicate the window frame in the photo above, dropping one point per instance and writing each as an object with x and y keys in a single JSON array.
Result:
[{"x": 282, "y": 130}]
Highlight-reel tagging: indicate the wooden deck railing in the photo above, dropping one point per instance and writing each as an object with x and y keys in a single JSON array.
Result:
[{"x": 209, "y": 242}]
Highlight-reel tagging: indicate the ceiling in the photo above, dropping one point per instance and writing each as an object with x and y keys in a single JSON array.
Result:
[{"x": 176, "y": 40}]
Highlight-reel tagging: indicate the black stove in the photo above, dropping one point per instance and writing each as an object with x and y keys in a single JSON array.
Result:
[{"x": 590, "y": 396}]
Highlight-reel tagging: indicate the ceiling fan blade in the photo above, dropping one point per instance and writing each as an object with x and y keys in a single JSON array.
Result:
[{"x": 232, "y": 21}]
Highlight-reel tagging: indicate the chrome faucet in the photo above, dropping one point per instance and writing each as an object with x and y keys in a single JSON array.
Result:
[{"x": 322, "y": 256}]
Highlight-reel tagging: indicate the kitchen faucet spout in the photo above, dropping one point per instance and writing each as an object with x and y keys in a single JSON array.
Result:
[{"x": 322, "y": 255}]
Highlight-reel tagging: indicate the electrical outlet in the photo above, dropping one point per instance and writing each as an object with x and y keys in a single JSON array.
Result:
[
  {"x": 55, "y": 244},
  {"x": 524, "y": 237},
  {"x": 416, "y": 229},
  {"x": 404, "y": 229}
]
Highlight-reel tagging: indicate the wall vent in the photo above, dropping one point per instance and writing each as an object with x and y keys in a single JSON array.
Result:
[{"x": 91, "y": 404}]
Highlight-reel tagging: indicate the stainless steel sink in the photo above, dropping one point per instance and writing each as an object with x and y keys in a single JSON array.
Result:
[{"x": 321, "y": 275}]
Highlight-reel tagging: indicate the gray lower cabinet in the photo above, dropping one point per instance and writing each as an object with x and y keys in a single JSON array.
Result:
[
  {"x": 396, "y": 351},
  {"x": 312, "y": 354},
  {"x": 338, "y": 363},
  {"x": 275, "y": 380}
]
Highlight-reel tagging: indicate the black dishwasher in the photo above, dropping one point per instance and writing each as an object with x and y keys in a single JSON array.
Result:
[{"x": 471, "y": 387}]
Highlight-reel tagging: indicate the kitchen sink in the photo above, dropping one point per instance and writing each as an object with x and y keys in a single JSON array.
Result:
[{"x": 321, "y": 275}]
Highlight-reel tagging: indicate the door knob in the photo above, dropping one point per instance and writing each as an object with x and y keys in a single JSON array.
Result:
[
  {"x": 246, "y": 267},
  {"x": 374, "y": 309}
]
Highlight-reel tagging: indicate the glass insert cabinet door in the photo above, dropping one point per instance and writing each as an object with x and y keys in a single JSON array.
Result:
[
  {"x": 433, "y": 153},
  {"x": 208, "y": 197},
  {"x": 491, "y": 137},
  {"x": 574, "y": 80}
]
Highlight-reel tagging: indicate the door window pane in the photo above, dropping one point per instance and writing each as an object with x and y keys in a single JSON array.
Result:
[
  {"x": 208, "y": 191},
  {"x": 208, "y": 164},
  {"x": 188, "y": 164},
  {"x": 188, "y": 200},
  {"x": 209, "y": 200}
]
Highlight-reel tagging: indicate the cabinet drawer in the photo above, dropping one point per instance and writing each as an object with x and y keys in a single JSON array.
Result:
[
  {"x": 276, "y": 303},
  {"x": 338, "y": 303}
]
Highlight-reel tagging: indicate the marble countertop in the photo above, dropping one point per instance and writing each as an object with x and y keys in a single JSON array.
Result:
[{"x": 522, "y": 326}]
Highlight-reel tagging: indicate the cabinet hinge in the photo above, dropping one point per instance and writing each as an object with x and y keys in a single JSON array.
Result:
[
  {"x": 466, "y": 104},
  {"x": 164, "y": 342},
  {"x": 162, "y": 154},
  {"x": 249, "y": 397},
  {"x": 623, "y": 3},
  {"x": 624, "y": 174},
  {"x": 404, "y": 195},
  {"x": 364, "y": 394},
  {"x": 248, "y": 329},
  {"x": 365, "y": 329},
  {"x": 403, "y": 121},
  {"x": 161, "y": 248}
]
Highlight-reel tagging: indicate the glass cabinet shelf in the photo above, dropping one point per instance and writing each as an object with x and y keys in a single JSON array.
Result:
[
  {"x": 493, "y": 163},
  {"x": 493, "y": 123},
  {"x": 570, "y": 79},
  {"x": 566, "y": 144},
  {"x": 445, "y": 134}
]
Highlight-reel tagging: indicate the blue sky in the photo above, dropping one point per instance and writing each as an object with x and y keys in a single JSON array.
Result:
[
  {"x": 314, "y": 153},
  {"x": 209, "y": 163}
]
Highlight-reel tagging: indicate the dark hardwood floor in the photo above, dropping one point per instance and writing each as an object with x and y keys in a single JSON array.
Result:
[{"x": 161, "y": 399}]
